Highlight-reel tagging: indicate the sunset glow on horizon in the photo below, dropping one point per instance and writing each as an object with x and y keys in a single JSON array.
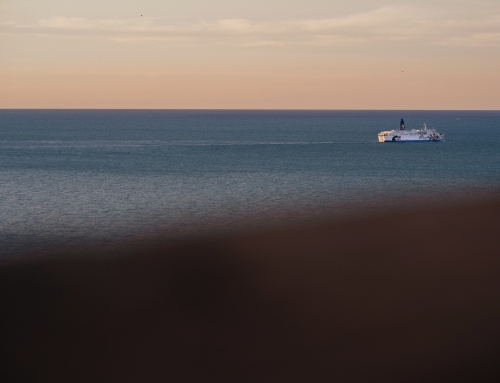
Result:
[{"x": 441, "y": 54}]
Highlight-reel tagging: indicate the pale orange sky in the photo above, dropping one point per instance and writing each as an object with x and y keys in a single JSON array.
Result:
[{"x": 440, "y": 54}]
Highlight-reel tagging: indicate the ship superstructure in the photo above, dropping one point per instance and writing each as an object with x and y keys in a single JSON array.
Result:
[{"x": 402, "y": 134}]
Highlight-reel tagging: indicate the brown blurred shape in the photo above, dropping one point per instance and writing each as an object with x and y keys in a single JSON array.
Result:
[{"x": 408, "y": 296}]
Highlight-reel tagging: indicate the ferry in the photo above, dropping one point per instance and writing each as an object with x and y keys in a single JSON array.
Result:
[{"x": 414, "y": 135}]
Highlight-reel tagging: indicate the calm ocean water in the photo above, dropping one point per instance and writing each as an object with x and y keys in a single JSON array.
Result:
[{"x": 95, "y": 176}]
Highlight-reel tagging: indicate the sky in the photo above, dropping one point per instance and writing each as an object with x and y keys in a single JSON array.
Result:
[{"x": 260, "y": 54}]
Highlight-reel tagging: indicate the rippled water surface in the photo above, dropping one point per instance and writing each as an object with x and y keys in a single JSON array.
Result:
[{"x": 72, "y": 177}]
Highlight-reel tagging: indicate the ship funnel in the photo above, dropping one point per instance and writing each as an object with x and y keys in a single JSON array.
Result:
[{"x": 402, "y": 125}]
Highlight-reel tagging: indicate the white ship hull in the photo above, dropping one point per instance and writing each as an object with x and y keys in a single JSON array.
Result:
[
  {"x": 414, "y": 135},
  {"x": 408, "y": 137}
]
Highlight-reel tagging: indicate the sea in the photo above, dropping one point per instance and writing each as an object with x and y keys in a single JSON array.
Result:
[{"x": 96, "y": 177}]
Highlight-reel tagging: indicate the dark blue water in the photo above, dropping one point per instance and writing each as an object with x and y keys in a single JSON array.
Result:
[{"x": 97, "y": 176}]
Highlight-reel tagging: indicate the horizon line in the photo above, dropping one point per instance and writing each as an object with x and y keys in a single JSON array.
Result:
[{"x": 263, "y": 109}]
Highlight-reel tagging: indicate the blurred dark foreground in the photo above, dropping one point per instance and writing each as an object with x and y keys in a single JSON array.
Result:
[{"x": 408, "y": 296}]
